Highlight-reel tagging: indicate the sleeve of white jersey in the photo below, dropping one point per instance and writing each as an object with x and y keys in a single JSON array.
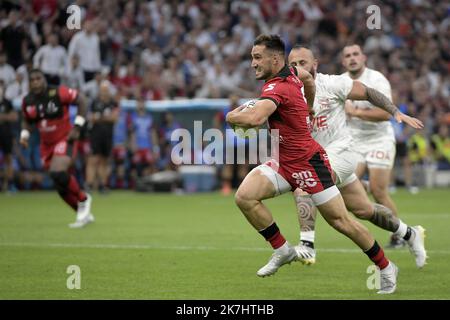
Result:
[
  {"x": 340, "y": 86},
  {"x": 382, "y": 84}
]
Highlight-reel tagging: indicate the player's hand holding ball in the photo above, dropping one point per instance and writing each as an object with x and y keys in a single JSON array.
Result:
[
  {"x": 74, "y": 134},
  {"x": 242, "y": 132},
  {"x": 24, "y": 136}
]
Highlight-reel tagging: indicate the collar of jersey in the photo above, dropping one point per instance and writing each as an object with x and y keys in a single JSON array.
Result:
[{"x": 284, "y": 73}]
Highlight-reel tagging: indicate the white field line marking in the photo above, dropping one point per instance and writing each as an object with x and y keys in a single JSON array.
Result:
[
  {"x": 179, "y": 248},
  {"x": 426, "y": 216}
]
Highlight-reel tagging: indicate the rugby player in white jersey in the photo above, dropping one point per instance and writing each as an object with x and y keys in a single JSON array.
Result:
[
  {"x": 329, "y": 128},
  {"x": 373, "y": 134}
]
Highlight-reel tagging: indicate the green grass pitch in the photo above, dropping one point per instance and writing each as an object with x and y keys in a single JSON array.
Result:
[{"x": 161, "y": 246}]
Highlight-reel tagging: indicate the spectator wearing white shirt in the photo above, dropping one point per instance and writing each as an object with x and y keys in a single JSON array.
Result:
[
  {"x": 7, "y": 73},
  {"x": 91, "y": 87},
  {"x": 51, "y": 59},
  {"x": 24, "y": 70},
  {"x": 17, "y": 89},
  {"x": 86, "y": 44},
  {"x": 74, "y": 75}
]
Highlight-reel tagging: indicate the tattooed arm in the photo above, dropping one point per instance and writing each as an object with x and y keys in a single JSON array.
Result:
[
  {"x": 362, "y": 92},
  {"x": 386, "y": 107}
]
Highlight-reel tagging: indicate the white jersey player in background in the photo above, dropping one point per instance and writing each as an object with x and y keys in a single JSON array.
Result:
[
  {"x": 372, "y": 133},
  {"x": 329, "y": 128}
]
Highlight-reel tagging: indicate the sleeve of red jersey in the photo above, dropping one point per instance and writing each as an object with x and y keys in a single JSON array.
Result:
[
  {"x": 28, "y": 113},
  {"x": 24, "y": 109},
  {"x": 67, "y": 95},
  {"x": 273, "y": 92}
]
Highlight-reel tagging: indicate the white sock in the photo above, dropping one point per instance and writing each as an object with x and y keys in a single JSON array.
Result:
[
  {"x": 402, "y": 228},
  {"x": 283, "y": 250},
  {"x": 309, "y": 236}
]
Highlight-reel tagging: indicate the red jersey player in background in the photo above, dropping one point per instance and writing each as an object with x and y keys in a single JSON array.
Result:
[
  {"x": 303, "y": 163},
  {"x": 48, "y": 109}
]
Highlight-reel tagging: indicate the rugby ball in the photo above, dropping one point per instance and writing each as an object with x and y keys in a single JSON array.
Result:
[{"x": 243, "y": 132}]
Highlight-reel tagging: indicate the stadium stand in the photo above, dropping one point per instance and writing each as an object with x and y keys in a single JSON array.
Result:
[{"x": 187, "y": 57}]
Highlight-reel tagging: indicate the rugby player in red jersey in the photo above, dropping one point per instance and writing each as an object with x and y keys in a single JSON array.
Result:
[
  {"x": 48, "y": 109},
  {"x": 303, "y": 163}
]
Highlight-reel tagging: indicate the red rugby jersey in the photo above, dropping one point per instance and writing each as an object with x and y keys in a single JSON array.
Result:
[
  {"x": 291, "y": 117},
  {"x": 50, "y": 111}
]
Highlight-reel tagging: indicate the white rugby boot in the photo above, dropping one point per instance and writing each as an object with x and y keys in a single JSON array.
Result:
[
  {"x": 276, "y": 261},
  {"x": 306, "y": 255},
  {"x": 388, "y": 279},
  {"x": 417, "y": 245},
  {"x": 84, "y": 215}
]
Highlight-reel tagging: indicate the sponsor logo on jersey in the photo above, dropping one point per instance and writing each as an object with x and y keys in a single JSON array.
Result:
[
  {"x": 319, "y": 123},
  {"x": 324, "y": 103},
  {"x": 296, "y": 80},
  {"x": 379, "y": 154},
  {"x": 72, "y": 93},
  {"x": 60, "y": 148},
  {"x": 31, "y": 111},
  {"x": 304, "y": 178},
  {"x": 45, "y": 127},
  {"x": 51, "y": 108}
]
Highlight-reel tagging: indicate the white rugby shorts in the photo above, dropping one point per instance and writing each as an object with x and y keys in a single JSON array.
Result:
[{"x": 375, "y": 154}]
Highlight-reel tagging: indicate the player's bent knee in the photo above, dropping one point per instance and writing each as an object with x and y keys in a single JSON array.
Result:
[
  {"x": 239, "y": 199},
  {"x": 244, "y": 201}
]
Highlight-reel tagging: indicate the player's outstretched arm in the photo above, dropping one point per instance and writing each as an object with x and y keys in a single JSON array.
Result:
[
  {"x": 309, "y": 86},
  {"x": 252, "y": 117},
  {"x": 26, "y": 126},
  {"x": 386, "y": 107},
  {"x": 80, "y": 119},
  {"x": 25, "y": 133}
]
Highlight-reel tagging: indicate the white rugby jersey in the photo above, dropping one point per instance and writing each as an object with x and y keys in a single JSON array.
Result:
[
  {"x": 362, "y": 130},
  {"x": 329, "y": 126}
]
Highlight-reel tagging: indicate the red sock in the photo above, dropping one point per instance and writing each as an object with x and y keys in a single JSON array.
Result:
[
  {"x": 70, "y": 199},
  {"x": 74, "y": 189},
  {"x": 277, "y": 240},
  {"x": 376, "y": 254},
  {"x": 273, "y": 235}
]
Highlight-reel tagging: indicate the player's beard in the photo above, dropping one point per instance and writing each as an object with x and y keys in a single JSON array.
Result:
[
  {"x": 355, "y": 71},
  {"x": 264, "y": 75}
]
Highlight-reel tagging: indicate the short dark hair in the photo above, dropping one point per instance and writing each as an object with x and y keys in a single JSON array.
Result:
[
  {"x": 272, "y": 42},
  {"x": 36, "y": 70},
  {"x": 351, "y": 44},
  {"x": 298, "y": 46}
]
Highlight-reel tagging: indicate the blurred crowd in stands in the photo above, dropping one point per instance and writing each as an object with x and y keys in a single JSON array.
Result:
[{"x": 156, "y": 50}]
